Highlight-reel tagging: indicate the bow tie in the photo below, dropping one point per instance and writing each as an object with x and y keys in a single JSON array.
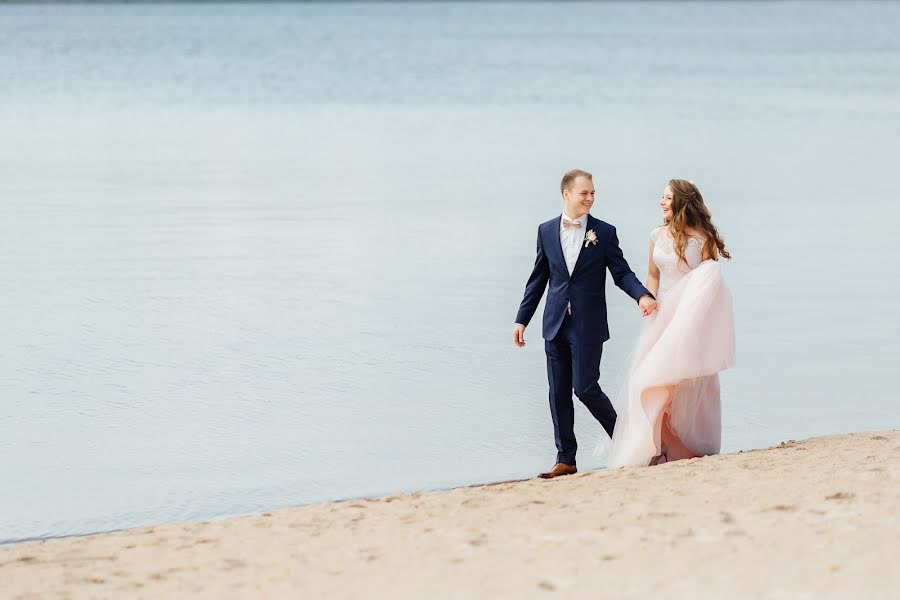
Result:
[{"x": 567, "y": 223}]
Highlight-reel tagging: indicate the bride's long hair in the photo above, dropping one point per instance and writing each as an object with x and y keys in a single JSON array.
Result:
[{"x": 689, "y": 211}]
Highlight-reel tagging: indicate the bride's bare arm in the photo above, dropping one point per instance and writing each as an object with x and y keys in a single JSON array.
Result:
[{"x": 652, "y": 280}]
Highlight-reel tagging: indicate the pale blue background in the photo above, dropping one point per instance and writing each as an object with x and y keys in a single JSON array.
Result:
[{"x": 264, "y": 255}]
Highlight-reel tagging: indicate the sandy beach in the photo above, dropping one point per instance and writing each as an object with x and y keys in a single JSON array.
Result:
[{"x": 809, "y": 519}]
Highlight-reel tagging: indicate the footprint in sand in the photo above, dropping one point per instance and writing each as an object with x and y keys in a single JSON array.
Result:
[
  {"x": 234, "y": 563},
  {"x": 840, "y": 496},
  {"x": 132, "y": 585}
]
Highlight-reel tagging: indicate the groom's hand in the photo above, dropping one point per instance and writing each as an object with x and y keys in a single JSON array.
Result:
[
  {"x": 519, "y": 335},
  {"x": 647, "y": 305}
]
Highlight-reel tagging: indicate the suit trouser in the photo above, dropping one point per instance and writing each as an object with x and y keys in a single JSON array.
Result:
[{"x": 574, "y": 365}]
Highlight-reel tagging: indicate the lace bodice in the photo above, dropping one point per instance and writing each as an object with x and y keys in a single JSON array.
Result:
[{"x": 665, "y": 259}]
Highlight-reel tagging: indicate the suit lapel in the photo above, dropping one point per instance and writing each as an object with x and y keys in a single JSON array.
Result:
[
  {"x": 582, "y": 251},
  {"x": 556, "y": 243}
]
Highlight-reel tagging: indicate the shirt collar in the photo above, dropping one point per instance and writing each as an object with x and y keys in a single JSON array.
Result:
[{"x": 582, "y": 219}]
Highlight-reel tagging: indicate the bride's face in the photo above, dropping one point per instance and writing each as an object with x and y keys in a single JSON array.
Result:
[
  {"x": 580, "y": 198},
  {"x": 666, "y": 203}
]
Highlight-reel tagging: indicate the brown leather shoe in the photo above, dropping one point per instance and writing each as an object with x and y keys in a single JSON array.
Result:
[{"x": 558, "y": 470}]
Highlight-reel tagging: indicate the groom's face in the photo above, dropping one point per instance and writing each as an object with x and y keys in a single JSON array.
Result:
[{"x": 579, "y": 198}]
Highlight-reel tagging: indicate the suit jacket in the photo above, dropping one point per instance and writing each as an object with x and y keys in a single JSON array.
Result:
[{"x": 585, "y": 288}]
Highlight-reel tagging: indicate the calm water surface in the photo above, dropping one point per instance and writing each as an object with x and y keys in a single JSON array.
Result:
[{"x": 264, "y": 255}]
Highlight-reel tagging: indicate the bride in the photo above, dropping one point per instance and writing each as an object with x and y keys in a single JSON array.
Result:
[{"x": 670, "y": 406}]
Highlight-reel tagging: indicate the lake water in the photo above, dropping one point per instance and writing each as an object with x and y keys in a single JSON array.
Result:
[{"x": 264, "y": 255}]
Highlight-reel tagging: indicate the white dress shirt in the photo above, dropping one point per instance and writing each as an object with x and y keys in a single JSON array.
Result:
[{"x": 572, "y": 239}]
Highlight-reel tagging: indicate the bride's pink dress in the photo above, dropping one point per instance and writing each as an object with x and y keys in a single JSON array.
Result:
[{"x": 671, "y": 395}]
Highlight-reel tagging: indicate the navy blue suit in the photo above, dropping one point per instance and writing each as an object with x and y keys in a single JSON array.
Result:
[{"x": 574, "y": 342}]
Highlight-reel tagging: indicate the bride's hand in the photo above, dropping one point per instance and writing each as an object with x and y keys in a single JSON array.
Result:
[
  {"x": 646, "y": 305},
  {"x": 519, "y": 335}
]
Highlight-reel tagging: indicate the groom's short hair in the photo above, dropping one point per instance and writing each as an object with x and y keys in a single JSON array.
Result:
[{"x": 570, "y": 177}]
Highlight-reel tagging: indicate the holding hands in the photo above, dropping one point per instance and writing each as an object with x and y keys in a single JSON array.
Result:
[{"x": 646, "y": 305}]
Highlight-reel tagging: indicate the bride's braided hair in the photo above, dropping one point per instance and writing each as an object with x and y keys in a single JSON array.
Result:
[{"x": 689, "y": 211}]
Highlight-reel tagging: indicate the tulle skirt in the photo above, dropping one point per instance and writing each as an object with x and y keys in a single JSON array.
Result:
[{"x": 671, "y": 394}]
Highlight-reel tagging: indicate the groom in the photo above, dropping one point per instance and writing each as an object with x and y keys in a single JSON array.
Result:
[{"x": 573, "y": 253}]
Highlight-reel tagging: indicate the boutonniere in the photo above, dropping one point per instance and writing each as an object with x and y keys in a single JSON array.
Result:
[{"x": 590, "y": 238}]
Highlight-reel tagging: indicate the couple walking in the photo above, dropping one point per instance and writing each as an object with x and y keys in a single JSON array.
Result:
[{"x": 670, "y": 407}]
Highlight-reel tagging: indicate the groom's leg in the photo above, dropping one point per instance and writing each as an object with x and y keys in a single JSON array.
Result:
[
  {"x": 559, "y": 376},
  {"x": 586, "y": 375}
]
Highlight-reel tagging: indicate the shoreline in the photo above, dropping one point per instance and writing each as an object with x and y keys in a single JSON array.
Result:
[
  {"x": 50, "y": 538},
  {"x": 810, "y": 517}
]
